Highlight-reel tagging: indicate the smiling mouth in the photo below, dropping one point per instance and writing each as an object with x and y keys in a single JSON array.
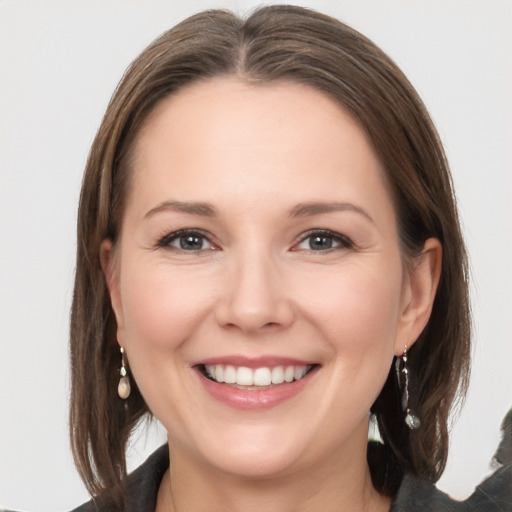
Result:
[{"x": 242, "y": 377}]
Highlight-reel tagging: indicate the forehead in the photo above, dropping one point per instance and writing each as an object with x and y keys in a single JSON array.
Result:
[
  {"x": 243, "y": 109},
  {"x": 224, "y": 136}
]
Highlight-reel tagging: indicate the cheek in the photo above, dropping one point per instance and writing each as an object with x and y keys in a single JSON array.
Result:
[
  {"x": 358, "y": 316},
  {"x": 161, "y": 306},
  {"x": 357, "y": 307}
]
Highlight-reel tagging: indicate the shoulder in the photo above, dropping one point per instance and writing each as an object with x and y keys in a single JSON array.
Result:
[
  {"x": 418, "y": 494},
  {"x": 141, "y": 486},
  {"x": 493, "y": 495}
]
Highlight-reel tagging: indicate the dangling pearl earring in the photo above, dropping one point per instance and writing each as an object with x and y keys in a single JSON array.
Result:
[
  {"x": 411, "y": 420},
  {"x": 123, "y": 388}
]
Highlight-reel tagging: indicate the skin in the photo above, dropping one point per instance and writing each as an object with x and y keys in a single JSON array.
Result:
[{"x": 256, "y": 287}]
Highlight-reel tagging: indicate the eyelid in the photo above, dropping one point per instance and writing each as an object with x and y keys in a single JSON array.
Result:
[
  {"x": 344, "y": 242},
  {"x": 166, "y": 240}
]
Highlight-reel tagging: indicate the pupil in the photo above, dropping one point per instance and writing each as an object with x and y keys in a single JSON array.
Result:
[
  {"x": 191, "y": 242},
  {"x": 320, "y": 242}
]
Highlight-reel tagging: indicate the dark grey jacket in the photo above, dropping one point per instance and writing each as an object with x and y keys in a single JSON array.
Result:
[{"x": 414, "y": 494}]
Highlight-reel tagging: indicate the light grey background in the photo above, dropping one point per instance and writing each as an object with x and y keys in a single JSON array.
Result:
[{"x": 59, "y": 63}]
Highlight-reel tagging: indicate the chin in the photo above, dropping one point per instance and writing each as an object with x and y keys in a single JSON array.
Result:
[
  {"x": 255, "y": 455},
  {"x": 255, "y": 466}
]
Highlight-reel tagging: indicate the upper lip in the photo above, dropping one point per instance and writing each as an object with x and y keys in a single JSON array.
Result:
[{"x": 254, "y": 362}]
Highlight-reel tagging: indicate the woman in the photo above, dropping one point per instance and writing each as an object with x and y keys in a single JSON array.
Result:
[{"x": 268, "y": 251}]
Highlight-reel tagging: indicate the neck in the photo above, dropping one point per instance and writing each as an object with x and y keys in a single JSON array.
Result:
[{"x": 341, "y": 483}]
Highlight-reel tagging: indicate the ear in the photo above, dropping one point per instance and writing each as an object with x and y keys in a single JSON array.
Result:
[
  {"x": 110, "y": 267},
  {"x": 418, "y": 295}
]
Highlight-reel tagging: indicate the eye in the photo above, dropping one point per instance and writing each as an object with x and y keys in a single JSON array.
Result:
[
  {"x": 322, "y": 240},
  {"x": 186, "y": 240}
]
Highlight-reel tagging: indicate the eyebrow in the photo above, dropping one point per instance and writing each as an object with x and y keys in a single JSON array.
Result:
[
  {"x": 203, "y": 209},
  {"x": 299, "y": 210},
  {"x": 310, "y": 209}
]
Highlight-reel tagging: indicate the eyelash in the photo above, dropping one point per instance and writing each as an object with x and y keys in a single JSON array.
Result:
[
  {"x": 342, "y": 241},
  {"x": 166, "y": 241}
]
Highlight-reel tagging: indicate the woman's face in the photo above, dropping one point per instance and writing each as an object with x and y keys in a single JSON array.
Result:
[{"x": 259, "y": 245}]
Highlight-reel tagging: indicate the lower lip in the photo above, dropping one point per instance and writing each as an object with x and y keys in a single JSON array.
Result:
[{"x": 255, "y": 399}]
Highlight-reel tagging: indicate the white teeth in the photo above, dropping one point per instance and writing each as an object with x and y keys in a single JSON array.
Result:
[
  {"x": 300, "y": 371},
  {"x": 219, "y": 373},
  {"x": 244, "y": 376},
  {"x": 261, "y": 377},
  {"x": 289, "y": 374},
  {"x": 277, "y": 375},
  {"x": 229, "y": 375}
]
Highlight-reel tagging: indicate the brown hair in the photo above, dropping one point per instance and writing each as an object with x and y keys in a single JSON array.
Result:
[{"x": 274, "y": 43}]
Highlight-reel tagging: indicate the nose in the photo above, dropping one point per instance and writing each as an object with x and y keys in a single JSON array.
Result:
[{"x": 255, "y": 297}]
